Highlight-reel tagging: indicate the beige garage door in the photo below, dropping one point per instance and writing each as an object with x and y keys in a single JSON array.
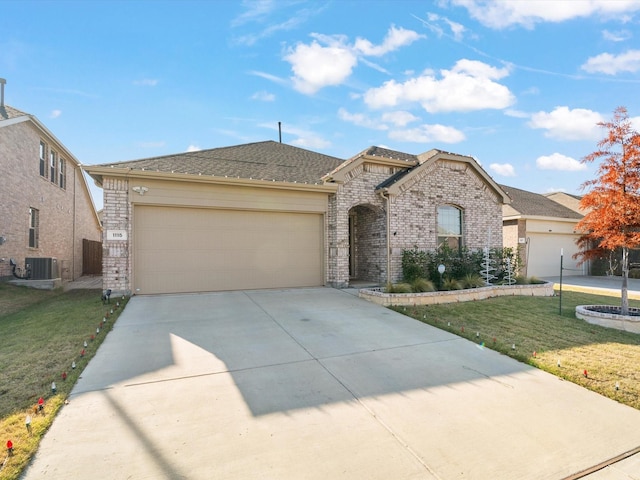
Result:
[
  {"x": 544, "y": 255},
  {"x": 204, "y": 250}
]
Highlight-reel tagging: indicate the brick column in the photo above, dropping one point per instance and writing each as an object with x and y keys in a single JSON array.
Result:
[{"x": 116, "y": 261}]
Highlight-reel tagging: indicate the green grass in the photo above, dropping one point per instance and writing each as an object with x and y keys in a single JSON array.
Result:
[
  {"x": 534, "y": 324},
  {"x": 41, "y": 334}
]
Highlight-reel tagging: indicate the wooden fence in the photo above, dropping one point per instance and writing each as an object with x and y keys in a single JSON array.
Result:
[{"x": 91, "y": 257}]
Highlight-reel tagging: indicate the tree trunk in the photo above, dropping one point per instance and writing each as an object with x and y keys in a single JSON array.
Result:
[{"x": 624, "y": 307}]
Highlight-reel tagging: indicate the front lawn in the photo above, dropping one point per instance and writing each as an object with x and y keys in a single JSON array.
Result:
[
  {"x": 42, "y": 333},
  {"x": 559, "y": 344}
]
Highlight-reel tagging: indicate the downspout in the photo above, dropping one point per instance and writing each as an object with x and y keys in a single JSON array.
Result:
[
  {"x": 73, "y": 254},
  {"x": 385, "y": 194}
]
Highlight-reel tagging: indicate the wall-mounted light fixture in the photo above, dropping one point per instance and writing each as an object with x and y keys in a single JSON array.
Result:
[{"x": 140, "y": 190}]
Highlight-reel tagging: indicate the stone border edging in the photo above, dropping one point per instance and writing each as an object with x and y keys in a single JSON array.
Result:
[
  {"x": 376, "y": 295},
  {"x": 626, "y": 323}
]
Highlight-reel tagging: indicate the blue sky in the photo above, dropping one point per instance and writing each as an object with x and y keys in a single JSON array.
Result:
[{"x": 519, "y": 85}]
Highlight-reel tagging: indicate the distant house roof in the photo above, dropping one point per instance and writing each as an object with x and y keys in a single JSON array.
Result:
[
  {"x": 259, "y": 161},
  {"x": 533, "y": 204}
]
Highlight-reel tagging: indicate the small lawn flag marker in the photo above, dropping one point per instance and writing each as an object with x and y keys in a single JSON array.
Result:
[
  {"x": 558, "y": 362},
  {"x": 41, "y": 404},
  {"x": 82, "y": 352},
  {"x": 73, "y": 365},
  {"x": 27, "y": 423},
  {"x": 617, "y": 387},
  {"x": 64, "y": 375},
  {"x": 84, "y": 344},
  {"x": 9, "y": 447},
  {"x": 513, "y": 346},
  {"x": 54, "y": 389},
  {"x": 585, "y": 373}
]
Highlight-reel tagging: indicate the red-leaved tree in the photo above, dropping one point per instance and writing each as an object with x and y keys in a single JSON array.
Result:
[{"x": 613, "y": 198}]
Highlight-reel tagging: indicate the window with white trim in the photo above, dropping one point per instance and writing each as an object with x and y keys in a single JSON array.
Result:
[
  {"x": 450, "y": 227},
  {"x": 34, "y": 223},
  {"x": 43, "y": 159},
  {"x": 62, "y": 172},
  {"x": 52, "y": 166}
]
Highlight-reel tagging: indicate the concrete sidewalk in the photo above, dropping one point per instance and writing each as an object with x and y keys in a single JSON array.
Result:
[{"x": 318, "y": 384}]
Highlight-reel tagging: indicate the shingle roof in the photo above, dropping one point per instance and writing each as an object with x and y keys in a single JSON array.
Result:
[
  {"x": 259, "y": 161},
  {"x": 534, "y": 204},
  {"x": 385, "y": 152},
  {"x": 8, "y": 112}
]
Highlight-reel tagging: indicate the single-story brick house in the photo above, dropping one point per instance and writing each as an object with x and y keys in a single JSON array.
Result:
[
  {"x": 270, "y": 215},
  {"x": 539, "y": 227}
]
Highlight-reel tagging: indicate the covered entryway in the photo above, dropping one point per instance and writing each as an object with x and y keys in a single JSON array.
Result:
[
  {"x": 367, "y": 244},
  {"x": 204, "y": 249}
]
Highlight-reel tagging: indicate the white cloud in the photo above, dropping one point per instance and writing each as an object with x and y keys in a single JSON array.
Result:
[
  {"x": 395, "y": 38},
  {"x": 609, "y": 64},
  {"x": 311, "y": 142},
  {"x": 468, "y": 86},
  {"x": 512, "y": 112},
  {"x": 361, "y": 120},
  {"x": 268, "y": 76},
  {"x": 399, "y": 118},
  {"x": 501, "y": 14},
  {"x": 329, "y": 59},
  {"x": 503, "y": 169},
  {"x": 428, "y": 133},
  {"x": 193, "y": 148},
  {"x": 55, "y": 113},
  {"x": 263, "y": 96},
  {"x": 557, "y": 161},
  {"x": 565, "y": 124},
  {"x": 146, "y": 82},
  {"x": 457, "y": 29},
  {"x": 618, "y": 36},
  {"x": 315, "y": 66}
]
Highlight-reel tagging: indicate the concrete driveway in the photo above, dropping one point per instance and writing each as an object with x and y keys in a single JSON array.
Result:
[{"x": 318, "y": 384}]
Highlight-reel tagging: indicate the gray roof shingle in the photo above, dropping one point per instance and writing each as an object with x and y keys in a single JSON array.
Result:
[
  {"x": 534, "y": 204},
  {"x": 268, "y": 160},
  {"x": 7, "y": 113}
]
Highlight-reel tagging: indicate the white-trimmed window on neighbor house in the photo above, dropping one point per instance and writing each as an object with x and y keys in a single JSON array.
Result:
[
  {"x": 34, "y": 222},
  {"x": 43, "y": 159},
  {"x": 52, "y": 166},
  {"x": 62, "y": 172},
  {"x": 450, "y": 226}
]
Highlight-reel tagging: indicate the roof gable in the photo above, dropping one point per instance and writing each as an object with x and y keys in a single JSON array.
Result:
[{"x": 403, "y": 180}]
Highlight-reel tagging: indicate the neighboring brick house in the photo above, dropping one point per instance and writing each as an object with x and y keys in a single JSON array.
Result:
[
  {"x": 270, "y": 215},
  {"x": 540, "y": 228},
  {"x": 47, "y": 210}
]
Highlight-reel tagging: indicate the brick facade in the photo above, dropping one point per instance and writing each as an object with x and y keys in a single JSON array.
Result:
[
  {"x": 65, "y": 215},
  {"x": 363, "y": 220},
  {"x": 412, "y": 219},
  {"x": 117, "y": 215}
]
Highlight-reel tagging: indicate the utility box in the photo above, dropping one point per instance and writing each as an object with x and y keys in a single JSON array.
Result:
[{"x": 45, "y": 268}]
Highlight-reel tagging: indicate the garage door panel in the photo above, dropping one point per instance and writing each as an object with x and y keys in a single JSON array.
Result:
[{"x": 190, "y": 250}]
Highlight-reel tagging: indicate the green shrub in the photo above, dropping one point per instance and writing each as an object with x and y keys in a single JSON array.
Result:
[
  {"x": 451, "y": 284},
  {"x": 399, "y": 288},
  {"x": 535, "y": 281},
  {"x": 422, "y": 285},
  {"x": 522, "y": 280},
  {"x": 471, "y": 280},
  {"x": 634, "y": 273}
]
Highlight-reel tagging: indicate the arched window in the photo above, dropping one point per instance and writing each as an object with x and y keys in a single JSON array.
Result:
[{"x": 450, "y": 227}]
